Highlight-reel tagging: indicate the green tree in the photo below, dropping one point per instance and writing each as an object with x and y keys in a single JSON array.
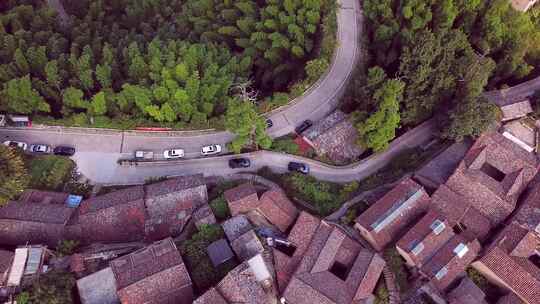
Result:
[
  {"x": 13, "y": 175},
  {"x": 98, "y": 104},
  {"x": 52, "y": 74},
  {"x": 52, "y": 288},
  {"x": 73, "y": 99},
  {"x": 19, "y": 97},
  {"x": 103, "y": 75},
  {"x": 380, "y": 127},
  {"x": 242, "y": 119}
]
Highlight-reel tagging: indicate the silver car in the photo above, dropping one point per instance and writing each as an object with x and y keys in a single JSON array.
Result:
[
  {"x": 211, "y": 150},
  {"x": 16, "y": 144},
  {"x": 40, "y": 149}
]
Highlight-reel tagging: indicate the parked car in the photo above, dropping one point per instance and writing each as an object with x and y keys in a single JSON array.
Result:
[
  {"x": 2, "y": 120},
  {"x": 144, "y": 155},
  {"x": 64, "y": 150},
  {"x": 269, "y": 123},
  {"x": 239, "y": 163},
  {"x": 303, "y": 126},
  {"x": 40, "y": 149},
  {"x": 298, "y": 167},
  {"x": 173, "y": 153},
  {"x": 211, "y": 150},
  {"x": 16, "y": 144}
]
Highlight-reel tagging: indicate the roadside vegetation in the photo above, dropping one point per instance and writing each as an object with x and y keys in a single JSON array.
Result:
[
  {"x": 49, "y": 172},
  {"x": 14, "y": 178},
  {"x": 172, "y": 63},
  {"x": 320, "y": 196},
  {"x": 203, "y": 274},
  {"x": 434, "y": 58}
]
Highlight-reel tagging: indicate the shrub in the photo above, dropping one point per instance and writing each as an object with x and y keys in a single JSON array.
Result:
[
  {"x": 397, "y": 266},
  {"x": 52, "y": 287},
  {"x": 381, "y": 294},
  {"x": 67, "y": 247},
  {"x": 286, "y": 145},
  {"x": 220, "y": 208},
  {"x": 202, "y": 272}
]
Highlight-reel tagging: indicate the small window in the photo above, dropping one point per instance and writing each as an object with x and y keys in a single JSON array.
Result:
[
  {"x": 418, "y": 248},
  {"x": 493, "y": 172},
  {"x": 441, "y": 273},
  {"x": 461, "y": 250},
  {"x": 437, "y": 227},
  {"x": 341, "y": 271}
]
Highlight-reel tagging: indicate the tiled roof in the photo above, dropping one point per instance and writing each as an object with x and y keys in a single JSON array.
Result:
[
  {"x": 33, "y": 212},
  {"x": 335, "y": 269},
  {"x": 247, "y": 245},
  {"x": 458, "y": 210},
  {"x": 98, "y": 288},
  {"x": 387, "y": 219},
  {"x": 278, "y": 209},
  {"x": 426, "y": 237},
  {"x": 300, "y": 236},
  {"x": 121, "y": 222},
  {"x": 171, "y": 285},
  {"x": 240, "y": 286},
  {"x": 467, "y": 293},
  {"x": 145, "y": 262},
  {"x": 337, "y": 142},
  {"x": 509, "y": 298},
  {"x": 493, "y": 174},
  {"x": 174, "y": 185},
  {"x": 242, "y": 198},
  {"x": 212, "y": 296},
  {"x": 204, "y": 216},
  {"x": 111, "y": 199},
  {"x": 437, "y": 171},
  {"x": 40, "y": 196},
  {"x": 236, "y": 226},
  {"x": 522, "y": 133},
  {"x": 516, "y": 109},
  {"x": 516, "y": 275},
  {"x": 450, "y": 262},
  {"x": 516, "y": 240},
  {"x": 528, "y": 214},
  {"x": 19, "y": 232},
  {"x": 219, "y": 252},
  {"x": 6, "y": 257}
]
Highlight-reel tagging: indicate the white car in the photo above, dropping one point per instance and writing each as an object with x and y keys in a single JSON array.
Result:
[
  {"x": 16, "y": 144},
  {"x": 41, "y": 149},
  {"x": 173, "y": 153},
  {"x": 211, "y": 150}
]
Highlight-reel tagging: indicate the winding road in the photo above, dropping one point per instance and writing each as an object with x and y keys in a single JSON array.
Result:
[{"x": 98, "y": 150}]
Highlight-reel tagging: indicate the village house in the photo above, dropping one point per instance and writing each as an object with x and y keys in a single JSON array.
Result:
[
  {"x": 273, "y": 205},
  {"x": 466, "y": 293},
  {"x": 522, "y": 132},
  {"x": 141, "y": 212},
  {"x": 493, "y": 174},
  {"x": 424, "y": 239},
  {"x": 334, "y": 269},
  {"x": 388, "y": 219},
  {"x": 33, "y": 222},
  {"x": 153, "y": 274},
  {"x": 248, "y": 283},
  {"x": 512, "y": 262},
  {"x": 437, "y": 171},
  {"x": 334, "y": 137},
  {"x": 450, "y": 261}
]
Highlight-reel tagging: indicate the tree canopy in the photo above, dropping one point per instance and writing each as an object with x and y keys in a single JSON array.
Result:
[{"x": 445, "y": 53}]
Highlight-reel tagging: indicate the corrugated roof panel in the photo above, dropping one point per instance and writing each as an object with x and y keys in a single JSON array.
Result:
[
  {"x": 17, "y": 268},
  {"x": 391, "y": 214},
  {"x": 34, "y": 259}
]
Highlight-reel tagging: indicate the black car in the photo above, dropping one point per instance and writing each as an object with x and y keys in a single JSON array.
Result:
[
  {"x": 298, "y": 167},
  {"x": 239, "y": 163},
  {"x": 303, "y": 126},
  {"x": 269, "y": 123},
  {"x": 64, "y": 150}
]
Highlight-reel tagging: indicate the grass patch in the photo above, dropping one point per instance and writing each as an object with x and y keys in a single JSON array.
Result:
[
  {"x": 198, "y": 263},
  {"x": 217, "y": 190},
  {"x": 286, "y": 145},
  {"x": 397, "y": 266},
  {"x": 50, "y": 172}
]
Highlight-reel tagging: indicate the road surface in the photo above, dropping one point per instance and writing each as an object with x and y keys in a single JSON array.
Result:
[
  {"x": 97, "y": 156},
  {"x": 515, "y": 93}
]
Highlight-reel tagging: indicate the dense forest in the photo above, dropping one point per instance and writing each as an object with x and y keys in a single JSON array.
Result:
[
  {"x": 435, "y": 58},
  {"x": 180, "y": 63}
]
